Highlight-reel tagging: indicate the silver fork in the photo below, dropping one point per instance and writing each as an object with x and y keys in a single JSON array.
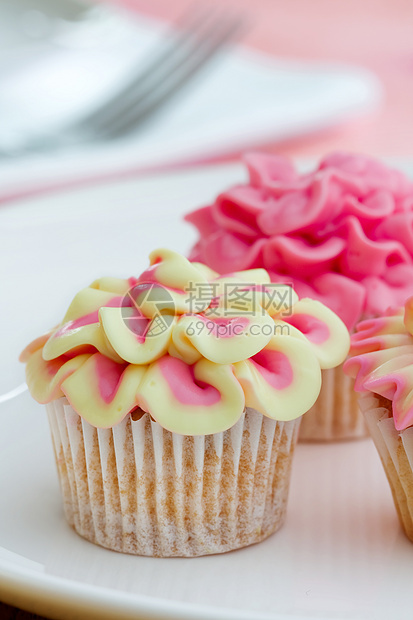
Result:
[{"x": 201, "y": 36}]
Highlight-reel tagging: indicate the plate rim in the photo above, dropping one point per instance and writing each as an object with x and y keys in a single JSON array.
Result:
[{"x": 56, "y": 597}]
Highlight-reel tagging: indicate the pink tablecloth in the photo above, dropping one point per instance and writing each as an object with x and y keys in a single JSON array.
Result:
[{"x": 373, "y": 33}]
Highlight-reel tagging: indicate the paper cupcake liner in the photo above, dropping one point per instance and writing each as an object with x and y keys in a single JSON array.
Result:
[
  {"x": 137, "y": 488},
  {"x": 335, "y": 415},
  {"x": 395, "y": 449}
]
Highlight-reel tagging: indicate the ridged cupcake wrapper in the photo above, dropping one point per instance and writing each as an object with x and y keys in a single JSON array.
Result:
[
  {"x": 140, "y": 489},
  {"x": 395, "y": 449},
  {"x": 335, "y": 415}
]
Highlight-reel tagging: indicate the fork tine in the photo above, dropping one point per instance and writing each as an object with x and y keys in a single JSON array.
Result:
[
  {"x": 189, "y": 24},
  {"x": 141, "y": 105}
]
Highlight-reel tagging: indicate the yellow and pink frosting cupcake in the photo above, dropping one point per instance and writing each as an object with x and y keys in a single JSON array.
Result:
[
  {"x": 382, "y": 364},
  {"x": 341, "y": 234},
  {"x": 174, "y": 401}
]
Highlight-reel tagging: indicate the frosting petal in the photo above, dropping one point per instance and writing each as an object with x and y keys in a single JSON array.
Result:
[
  {"x": 320, "y": 326},
  {"x": 85, "y": 339},
  {"x": 171, "y": 270},
  {"x": 225, "y": 340},
  {"x": 44, "y": 378},
  {"x": 119, "y": 286},
  {"x": 102, "y": 391},
  {"x": 207, "y": 272},
  {"x": 392, "y": 379},
  {"x": 300, "y": 254},
  {"x": 135, "y": 339},
  {"x": 364, "y": 257},
  {"x": 34, "y": 346},
  {"x": 87, "y": 303},
  {"x": 270, "y": 171},
  {"x": 83, "y": 333},
  {"x": 238, "y": 208},
  {"x": 276, "y": 382},
  {"x": 225, "y": 252},
  {"x": 202, "y": 399}
]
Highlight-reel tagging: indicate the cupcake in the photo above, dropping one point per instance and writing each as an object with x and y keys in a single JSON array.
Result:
[
  {"x": 382, "y": 365},
  {"x": 174, "y": 401},
  {"x": 341, "y": 234}
]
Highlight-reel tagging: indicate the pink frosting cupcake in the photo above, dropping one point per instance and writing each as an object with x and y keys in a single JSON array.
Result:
[
  {"x": 341, "y": 234},
  {"x": 382, "y": 364}
]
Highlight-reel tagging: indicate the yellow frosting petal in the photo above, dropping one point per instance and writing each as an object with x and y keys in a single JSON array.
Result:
[
  {"x": 88, "y": 300},
  {"x": 254, "y": 276},
  {"x": 174, "y": 270},
  {"x": 208, "y": 273},
  {"x": 34, "y": 346},
  {"x": 119, "y": 286},
  {"x": 67, "y": 339},
  {"x": 323, "y": 329},
  {"x": 191, "y": 400},
  {"x": 103, "y": 392},
  {"x": 241, "y": 279},
  {"x": 44, "y": 378},
  {"x": 182, "y": 348},
  {"x": 283, "y": 381},
  {"x": 225, "y": 340},
  {"x": 275, "y": 299},
  {"x": 118, "y": 326}
]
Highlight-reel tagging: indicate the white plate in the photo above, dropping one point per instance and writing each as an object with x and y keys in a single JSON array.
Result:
[{"x": 341, "y": 553}]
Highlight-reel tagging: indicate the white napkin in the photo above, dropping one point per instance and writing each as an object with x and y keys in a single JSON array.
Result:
[{"x": 241, "y": 100}]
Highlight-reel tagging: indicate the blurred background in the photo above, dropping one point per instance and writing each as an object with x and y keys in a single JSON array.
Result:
[
  {"x": 375, "y": 34},
  {"x": 298, "y": 78}
]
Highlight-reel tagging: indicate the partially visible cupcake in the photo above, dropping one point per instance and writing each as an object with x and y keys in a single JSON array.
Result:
[
  {"x": 382, "y": 365},
  {"x": 174, "y": 401},
  {"x": 341, "y": 234}
]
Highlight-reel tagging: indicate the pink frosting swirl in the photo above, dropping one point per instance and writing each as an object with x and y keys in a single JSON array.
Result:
[
  {"x": 381, "y": 360},
  {"x": 342, "y": 234}
]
